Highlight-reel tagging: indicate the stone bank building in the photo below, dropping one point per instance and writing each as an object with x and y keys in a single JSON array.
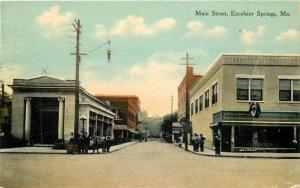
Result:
[
  {"x": 220, "y": 101},
  {"x": 43, "y": 111}
]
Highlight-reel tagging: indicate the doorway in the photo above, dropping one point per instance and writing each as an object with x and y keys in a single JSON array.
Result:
[{"x": 44, "y": 120}]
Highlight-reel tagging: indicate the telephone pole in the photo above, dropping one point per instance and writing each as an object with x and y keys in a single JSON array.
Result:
[
  {"x": 171, "y": 106},
  {"x": 187, "y": 100},
  {"x": 77, "y": 29},
  {"x": 76, "y": 25}
]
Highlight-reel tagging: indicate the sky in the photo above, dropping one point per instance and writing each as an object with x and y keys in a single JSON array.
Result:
[{"x": 148, "y": 40}]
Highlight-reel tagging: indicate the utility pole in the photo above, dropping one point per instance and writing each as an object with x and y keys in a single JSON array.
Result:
[
  {"x": 77, "y": 29},
  {"x": 171, "y": 106},
  {"x": 187, "y": 100},
  {"x": 76, "y": 25},
  {"x": 3, "y": 95},
  {"x": 171, "y": 119}
]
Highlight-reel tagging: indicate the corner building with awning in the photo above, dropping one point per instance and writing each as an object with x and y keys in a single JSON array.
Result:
[{"x": 220, "y": 103}]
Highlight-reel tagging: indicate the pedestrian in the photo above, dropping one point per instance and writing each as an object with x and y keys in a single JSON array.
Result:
[
  {"x": 108, "y": 143},
  {"x": 202, "y": 140},
  {"x": 194, "y": 141},
  {"x": 197, "y": 143},
  {"x": 217, "y": 144},
  {"x": 103, "y": 144}
]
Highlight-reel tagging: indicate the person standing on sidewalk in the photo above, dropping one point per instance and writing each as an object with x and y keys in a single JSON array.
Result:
[
  {"x": 217, "y": 144},
  {"x": 194, "y": 141},
  {"x": 108, "y": 143},
  {"x": 202, "y": 140}
]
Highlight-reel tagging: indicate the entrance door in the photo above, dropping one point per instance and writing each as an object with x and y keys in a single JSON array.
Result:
[{"x": 44, "y": 120}]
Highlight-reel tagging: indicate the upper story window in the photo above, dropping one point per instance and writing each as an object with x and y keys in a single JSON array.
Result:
[
  {"x": 192, "y": 108},
  {"x": 201, "y": 103},
  {"x": 289, "y": 89},
  {"x": 206, "y": 102},
  {"x": 214, "y": 97},
  {"x": 196, "y": 106},
  {"x": 249, "y": 89}
]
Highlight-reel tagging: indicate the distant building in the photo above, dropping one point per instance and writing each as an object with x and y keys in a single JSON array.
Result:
[
  {"x": 152, "y": 125},
  {"x": 127, "y": 109},
  {"x": 224, "y": 101},
  {"x": 43, "y": 111},
  {"x": 191, "y": 78}
]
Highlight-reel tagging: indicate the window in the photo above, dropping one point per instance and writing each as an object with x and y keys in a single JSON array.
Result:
[
  {"x": 196, "y": 106},
  {"x": 296, "y": 90},
  {"x": 249, "y": 89},
  {"x": 192, "y": 109},
  {"x": 242, "y": 89},
  {"x": 201, "y": 103},
  {"x": 214, "y": 94},
  {"x": 289, "y": 90},
  {"x": 120, "y": 114},
  {"x": 256, "y": 89},
  {"x": 206, "y": 99}
]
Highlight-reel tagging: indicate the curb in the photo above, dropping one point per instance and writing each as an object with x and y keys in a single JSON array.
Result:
[
  {"x": 17, "y": 152},
  {"x": 235, "y": 156}
]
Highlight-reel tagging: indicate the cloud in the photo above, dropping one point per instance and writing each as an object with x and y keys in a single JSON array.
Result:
[
  {"x": 198, "y": 28},
  {"x": 290, "y": 34},
  {"x": 249, "y": 37},
  {"x": 54, "y": 22},
  {"x": 134, "y": 25}
]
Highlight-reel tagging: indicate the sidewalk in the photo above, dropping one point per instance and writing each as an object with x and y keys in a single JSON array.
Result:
[
  {"x": 49, "y": 150},
  {"x": 211, "y": 153}
]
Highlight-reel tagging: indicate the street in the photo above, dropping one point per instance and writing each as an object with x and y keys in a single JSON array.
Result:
[{"x": 147, "y": 164}]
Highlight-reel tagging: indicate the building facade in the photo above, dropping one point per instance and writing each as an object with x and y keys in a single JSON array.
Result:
[
  {"x": 220, "y": 103},
  {"x": 43, "y": 111},
  {"x": 191, "y": 78},
  {"x": 127, "y": 109}
]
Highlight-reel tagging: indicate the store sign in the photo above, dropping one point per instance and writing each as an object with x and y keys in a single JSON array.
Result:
[{"x": 254, "y": 109}]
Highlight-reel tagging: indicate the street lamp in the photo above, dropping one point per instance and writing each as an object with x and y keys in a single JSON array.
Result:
[
  {"x": 83, "y": 118},
  {"x": 77, "y": 27}
]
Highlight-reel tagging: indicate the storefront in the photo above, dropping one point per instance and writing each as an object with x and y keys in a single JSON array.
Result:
[{"x": 270, "y": 131}]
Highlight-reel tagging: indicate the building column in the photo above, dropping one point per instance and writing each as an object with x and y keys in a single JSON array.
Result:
[
  {"x": 102, "y": 125},
  {"x": 232, "y": 138},
  {"x": 61, "y": 118},
  {"x": 295, "y": 140},
  {"x": 96, "y": 124},
  {"x": 27, "y": 119}
]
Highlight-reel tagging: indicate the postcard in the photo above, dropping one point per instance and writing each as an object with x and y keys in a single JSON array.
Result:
[{"x": 154, "y": 94}]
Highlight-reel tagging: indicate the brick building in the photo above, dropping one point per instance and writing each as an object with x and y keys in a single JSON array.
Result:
[
  {"x": 126, "y": 108},
  {"x": 191, "y": 78}
]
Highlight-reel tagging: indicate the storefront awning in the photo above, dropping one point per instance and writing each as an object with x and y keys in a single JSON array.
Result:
[
  {"x": 120, "y": 127},
  {"x": 133, "y": 131},
  {"x": 256, "y": 124}
]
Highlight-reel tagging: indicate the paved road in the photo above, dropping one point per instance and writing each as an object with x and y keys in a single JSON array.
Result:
[{"x": 150, "y": 164}]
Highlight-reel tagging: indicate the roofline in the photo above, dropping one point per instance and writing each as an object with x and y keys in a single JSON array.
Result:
[
  {"x": 117, "y": 96},
  {"x": 217, "y": 63},
  {"x": 259, "y": 54},
  {"x": 95, "y": 98}
]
